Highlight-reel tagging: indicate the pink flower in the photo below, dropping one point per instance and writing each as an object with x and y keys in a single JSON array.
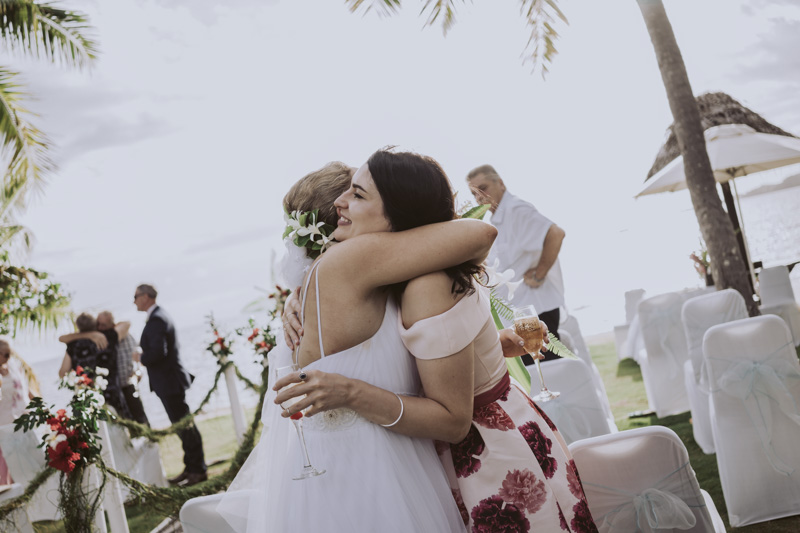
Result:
[
  {"x": 493, "y": 416},
  {"x": 464, "y": 453},
  {"x": 523, "y": 490},
  {"x": 574, "y": 480},
  {"x": 490, "y": 516}
]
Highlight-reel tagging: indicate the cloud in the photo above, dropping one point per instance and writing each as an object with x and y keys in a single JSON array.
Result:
[{"x": 113, "y": 131}]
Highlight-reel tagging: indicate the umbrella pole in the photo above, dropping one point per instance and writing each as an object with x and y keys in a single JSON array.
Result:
[{"x": 730, "y": 204}]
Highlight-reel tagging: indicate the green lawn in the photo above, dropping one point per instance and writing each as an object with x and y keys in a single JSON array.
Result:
[{"x": 626, "y": 394}]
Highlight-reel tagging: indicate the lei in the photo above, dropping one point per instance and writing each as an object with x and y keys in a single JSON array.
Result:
[{"x": 304, "y": 229}]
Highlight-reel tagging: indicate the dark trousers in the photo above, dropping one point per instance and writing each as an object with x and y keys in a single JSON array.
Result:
[
  {"x": 176, "y": 408},
  {"x": 551, "y": 320},
  {"x": 135, "y": 406}
]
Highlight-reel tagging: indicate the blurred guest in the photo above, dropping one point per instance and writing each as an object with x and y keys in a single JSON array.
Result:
[
  {"x": 169, "y": 380},
  {"x": 128, "y": 373},
  {"x": 14, "y": 394},
  {"x": 527, "y": 242},
  {"x": 91, "y": 349}
]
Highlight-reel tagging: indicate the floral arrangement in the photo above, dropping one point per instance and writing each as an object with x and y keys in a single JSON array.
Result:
[
  {"x": 261, "y": 339},
  {"x": 279, "y": 295},
  {"x": 305, "y": 230},
  {"x": 221, "y": 346}
]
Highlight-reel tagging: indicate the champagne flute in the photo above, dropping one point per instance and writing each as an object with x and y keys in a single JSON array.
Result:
[
  {"x": 297, "y": 419},
  {"x": 527, "y": 326}
]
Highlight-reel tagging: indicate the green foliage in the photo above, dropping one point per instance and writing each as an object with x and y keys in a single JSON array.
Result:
[
  {"x": 557, "y": 347},
  {"x": 479, "y": 211},
  {"x": 543, "y": 17},
  {"x": 500, "y": 306}
]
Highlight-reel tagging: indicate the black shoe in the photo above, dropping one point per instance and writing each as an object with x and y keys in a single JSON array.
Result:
[
  {"x": 177, "y": 479},
  {"x": 192, "y": 478}
]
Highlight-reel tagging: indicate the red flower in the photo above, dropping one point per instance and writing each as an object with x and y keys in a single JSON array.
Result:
[
  {"x": 493, "y": 416},
  {"x": 86, "y": 380},
  {"x": 582, "y": 521},
  {"x": 62, "y": 457},
  {"x": 262, "y": 344},
  {"x": 79, "y": 370},
  {"x": 221, "y": 341},
  {"x": 489, "y": 516},
  {"x": 465, "y": 453},
  {"x": 540, "y": 446}
]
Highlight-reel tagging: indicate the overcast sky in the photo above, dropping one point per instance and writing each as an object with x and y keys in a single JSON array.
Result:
[{"x": 176, "y": 147}]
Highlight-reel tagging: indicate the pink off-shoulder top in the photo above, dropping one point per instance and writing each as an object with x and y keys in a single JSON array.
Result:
[{"x": 470, "y": 319}]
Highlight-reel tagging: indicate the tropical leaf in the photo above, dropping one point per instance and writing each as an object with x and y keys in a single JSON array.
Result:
[
  {"x": 479, "y": 211},
  {"x": 440, "y": 8},
  {"x": 384, "y": 7},
  {"x": 542, "y": 16},
  {"x": 42, "y": 30},
  {"x": 558, "y": 348},
  {"x": 502, "y": 307},
  {"x": 22, "y": 145}
]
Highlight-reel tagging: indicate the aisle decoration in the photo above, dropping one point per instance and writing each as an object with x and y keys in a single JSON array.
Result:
[{"x": 70, "y": 443}]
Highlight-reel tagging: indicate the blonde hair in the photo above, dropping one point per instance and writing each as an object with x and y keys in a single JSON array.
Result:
[
  {"x": 484, "y": 170},
  {"x": 33, "y": 381},
  {"x": 318, "y": 190}
]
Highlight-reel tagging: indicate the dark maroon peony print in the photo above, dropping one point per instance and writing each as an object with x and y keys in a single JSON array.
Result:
[
  {"x": 540, "y": 446},
  {"x": 490, "y": 516},
  {"x": 582, "y": 521},
  {"x": 461, "y": 507},
  {"x": 464, "y": 453},
  {"x": 524, "y": 491},
  {"x": 561, "y": 519},
  {"x": 493, "y": 416},
  {"x": 574, "y": 480},
  {"x": 441, "y": 446}
]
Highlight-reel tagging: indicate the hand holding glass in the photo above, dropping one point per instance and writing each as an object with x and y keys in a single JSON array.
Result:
[
  {"x": 297, "y": 420},
  {"x": 527, "y": 326}
]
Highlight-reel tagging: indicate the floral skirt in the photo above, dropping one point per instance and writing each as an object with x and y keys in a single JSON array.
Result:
[{"x": 513, "y": 471}]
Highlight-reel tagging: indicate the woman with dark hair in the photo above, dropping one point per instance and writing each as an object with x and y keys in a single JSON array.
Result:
[{"x": 509, "y": 467}]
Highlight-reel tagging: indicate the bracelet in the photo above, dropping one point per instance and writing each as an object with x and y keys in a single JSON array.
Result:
[{"x": 398, "y": 416}]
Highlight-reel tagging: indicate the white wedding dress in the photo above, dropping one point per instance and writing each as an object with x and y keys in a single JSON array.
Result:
[{"x": 375, "y": 480}]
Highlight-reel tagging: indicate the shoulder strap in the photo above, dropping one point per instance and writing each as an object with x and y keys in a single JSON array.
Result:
[{"x": 315, "y": 272}]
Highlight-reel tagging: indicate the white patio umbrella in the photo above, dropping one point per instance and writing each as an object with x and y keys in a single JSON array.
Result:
[{"x": 735, "y": 150}]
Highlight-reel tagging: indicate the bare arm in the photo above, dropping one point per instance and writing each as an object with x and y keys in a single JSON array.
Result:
[
  {"x": 122, "y": 329},
  {"x": 550, "y": 249},
  {"x": 95, "y": 336},
  {"x": 385, "y": 258},
  {"x": 66, "y": 366},
  {"x": 445, "y": 413}
]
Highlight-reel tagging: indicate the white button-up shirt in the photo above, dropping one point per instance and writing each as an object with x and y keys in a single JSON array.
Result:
[{"x": 521, "y": 230}]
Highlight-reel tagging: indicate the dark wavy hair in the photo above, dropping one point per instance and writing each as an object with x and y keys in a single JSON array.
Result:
[{"x": 416, "y": 192}]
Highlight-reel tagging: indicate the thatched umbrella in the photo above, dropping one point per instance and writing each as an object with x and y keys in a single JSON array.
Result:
[{"x": 739, "y": 142}]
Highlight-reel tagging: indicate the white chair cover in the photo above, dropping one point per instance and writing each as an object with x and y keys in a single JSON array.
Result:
[
  {"x": 641, "y": 480},
  {"x": 621, "y": 341},
  {"x": 754, "y": 382},
  {"x": 570, "y": 330},
  {"x": 666, "y": 353},
  {"x": 24, "y": 462},
  {"x": 17, "y": 521},
  {"x": 578, "y": 412},
  {"x": 632, "y": 299},
  {"x": 777, "y": 298},
  {"x": 698, "y": 315},
  {"x": 139, "y": 458}
]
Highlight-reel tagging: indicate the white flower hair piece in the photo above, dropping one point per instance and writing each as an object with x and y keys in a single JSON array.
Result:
[{"x": 304, "y": 229}]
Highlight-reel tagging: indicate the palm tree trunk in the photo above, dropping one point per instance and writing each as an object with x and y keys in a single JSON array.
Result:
[{"x": 727, "y": 264}]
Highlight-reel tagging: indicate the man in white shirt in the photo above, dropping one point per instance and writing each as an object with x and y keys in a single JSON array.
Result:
[{"x": 527, "y": 242}]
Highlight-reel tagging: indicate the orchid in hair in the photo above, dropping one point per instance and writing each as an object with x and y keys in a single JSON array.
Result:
[{"x": 304, "y": 229}]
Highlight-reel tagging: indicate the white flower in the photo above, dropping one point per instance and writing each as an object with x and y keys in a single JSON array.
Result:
[
  {"x": 503, "y": 278},
  {"x": 100, "y": 371},
  {"x": 71, "y": 378},
  {"x": 55, "y": 438},
  {"x": 101, "y": 382},
  {"x": 215, "y": 348},
  {"x": 98, "y": 398}
]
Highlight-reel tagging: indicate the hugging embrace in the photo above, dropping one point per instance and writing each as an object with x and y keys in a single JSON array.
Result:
[{"x": 401, "y": 377}]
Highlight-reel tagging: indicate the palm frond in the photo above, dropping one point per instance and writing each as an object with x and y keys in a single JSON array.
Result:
[
  {"x": 44, "y": 31},
  {"x": 15, "y": 235},
  {"x": 22, "y": 145},
  {"x": 558, "y": 348},
  {"x": 542, "y": 16},
  {"x": 440, "y": 8},
  {"x": 479, "y": 211},
  {"x": 384, "y": 7},
  {"x": 501, "y": 306}
]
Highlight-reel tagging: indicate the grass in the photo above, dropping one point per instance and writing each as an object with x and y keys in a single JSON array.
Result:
[{"x": 626, "y": 393}]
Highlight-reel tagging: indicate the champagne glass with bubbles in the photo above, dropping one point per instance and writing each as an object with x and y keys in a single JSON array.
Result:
[
  {"x": 528, "y": 326},
  {"x": 297, "y": 419}
]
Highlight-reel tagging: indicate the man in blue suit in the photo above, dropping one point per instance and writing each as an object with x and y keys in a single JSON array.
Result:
[{"x": 169, "y": 380}]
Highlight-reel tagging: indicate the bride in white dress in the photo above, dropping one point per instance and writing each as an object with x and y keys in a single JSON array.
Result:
[{"x": 376, "y": 480}]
